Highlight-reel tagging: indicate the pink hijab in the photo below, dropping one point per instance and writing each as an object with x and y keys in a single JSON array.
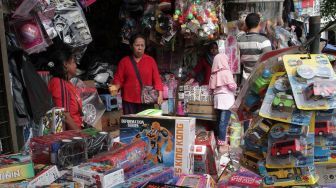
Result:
[{"x": 221, "y": 74}]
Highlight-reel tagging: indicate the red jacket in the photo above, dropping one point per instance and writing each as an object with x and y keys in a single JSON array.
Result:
[
  {"x": 65, "y": 95},
  {"x": 125, "y": 76},
  {"x": 205, "y": 67}
]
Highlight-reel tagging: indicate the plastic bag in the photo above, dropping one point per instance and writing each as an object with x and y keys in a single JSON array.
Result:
[{"x": 93, "y": 107}]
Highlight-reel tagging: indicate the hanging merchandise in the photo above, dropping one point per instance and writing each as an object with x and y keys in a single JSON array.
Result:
[
  {"x": 93, "y": 107},
  {"x": 197, "y": 18},
  {"x": 128, "y": 29},
  {"x": 23, "y": 7},
  {"x": 232, "y": 52},
  {"x": 29, "y": 35},
  {"x": 52, "y": 122},
  {"x": 46, "y": 18},
  {"x": 70, "y": 24},
  {"x": 86, "y": 3}
]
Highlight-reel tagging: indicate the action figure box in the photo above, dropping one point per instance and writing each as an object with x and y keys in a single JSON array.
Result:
[
  {"x": 169, "y": 139},
  {"x": 98, "y": 174},
  {"x": 157, "y": 174},
  {"x": 46, "y": 177},
  {"x": 15, "y": 167}
]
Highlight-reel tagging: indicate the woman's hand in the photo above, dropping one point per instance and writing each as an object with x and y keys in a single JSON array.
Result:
[
  {"x": 160, "y": 98},
  {"x": 113, "y": 89}
]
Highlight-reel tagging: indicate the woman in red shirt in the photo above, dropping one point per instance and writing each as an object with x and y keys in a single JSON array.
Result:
[
  {"x": 63, "y": 92},
  {"x": 126, "y": 79}
]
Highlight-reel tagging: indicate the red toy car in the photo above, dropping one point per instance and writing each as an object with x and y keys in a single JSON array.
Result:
[
  {"x": 323, "y": 128},
  {"x": 286, "y": 147}
]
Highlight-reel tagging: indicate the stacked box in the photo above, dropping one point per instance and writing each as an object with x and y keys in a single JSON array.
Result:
[
  {"x": 46, "y": 177},
  {"x": 169, "y": 139},
  {"x": 126, "y": 157},
  {"x": 98, "y": 174},
  {"x": 158, "y": 174},
  {"x": 15, "y": 167}
]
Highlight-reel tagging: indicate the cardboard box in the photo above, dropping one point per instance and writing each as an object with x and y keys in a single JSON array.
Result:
[
  {"x": 109, "y": 121},
  {"x": 100, "y": 175},
  {"x": 158, "y": 174},
  {"x": 46, "y": 177},
  {"x": 169, "y": 139},
  {"x": 64, "y": 185},
  {"x": 196, "y": 181},
  {"x": 15, "y": 167},
  {"x": 205, "y": 161},
  {"x": 197, "y": 107}
]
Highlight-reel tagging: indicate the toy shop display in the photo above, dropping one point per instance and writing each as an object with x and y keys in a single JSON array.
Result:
[
  {"x": 52, "y": 122},
  {"x": 158, "y": 174},
  {"x": 279, "y": 103},
  {"x": 197, "y": 18},
  {"x": 288, "y": 149},
  {"x": 325, "y": 138},
  {"x": 15, "y": 167},
  {"x": 169, "y": 139},
  {"x": 249, "y": 99},
  {"x": 312, "y": 80},
  {"x": 98, "y": 174}
]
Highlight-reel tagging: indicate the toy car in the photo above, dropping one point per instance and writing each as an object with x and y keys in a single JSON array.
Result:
[
  {"x": 320, "y": 89},
  {"x": 283, "y": 102},
  {"x": 286, "y": 147},
  {"x": 323, "y": 128},
  {"x": 282, "y": 173},
  {"x": 251, "y": 159},
  {"x": 259, "y": 131},
  {"x": 260, "y": 85}
]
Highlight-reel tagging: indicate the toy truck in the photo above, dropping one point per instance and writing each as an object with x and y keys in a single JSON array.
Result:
[
  {"x": 260, "y": 131},
  {"x": 323, "y": 128},
  {"x": 283, "y": 102},
  {"x": 250, "y": 159},
  {"x": 260, "y": 85},
  {"x": 286, "y": 147},
  {"x": 320, "y": 89}
]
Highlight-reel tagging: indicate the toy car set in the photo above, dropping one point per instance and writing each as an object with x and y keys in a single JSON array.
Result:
[{"x": 312, "y": 82}]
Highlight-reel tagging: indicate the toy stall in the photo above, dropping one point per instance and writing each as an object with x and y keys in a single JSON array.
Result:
[{"x": 289, "y": 99}]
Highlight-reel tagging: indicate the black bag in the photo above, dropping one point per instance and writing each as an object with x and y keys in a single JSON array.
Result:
[{"x": 148, "y": 94}]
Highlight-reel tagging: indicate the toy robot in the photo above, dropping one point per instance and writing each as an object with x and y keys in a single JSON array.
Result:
[{"x": 157, "y": 137}]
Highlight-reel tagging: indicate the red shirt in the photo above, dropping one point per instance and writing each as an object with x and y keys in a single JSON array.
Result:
[
  {"x": 205, "y": 67},
  {"x": 65, "y": 95},
  {"x": 125, "y": 76}
]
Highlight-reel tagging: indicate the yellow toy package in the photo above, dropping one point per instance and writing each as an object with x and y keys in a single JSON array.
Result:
[
  {"x": 279, "y": 103},
  {"x": 313, "y": 81}
]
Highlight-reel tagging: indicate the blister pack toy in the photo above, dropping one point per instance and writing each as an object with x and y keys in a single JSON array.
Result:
[
  {"x": 287, "y": 149},
  {"x": 29, "y": 35},
  {"x": 250, "y": 97},
  {"x": 312, "y": 79},
  {"x": 279, "y": 103},
  {"x": 287, "y": 176}
]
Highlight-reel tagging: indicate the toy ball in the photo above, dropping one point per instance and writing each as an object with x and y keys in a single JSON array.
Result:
[
  {"x": 266, "y": 73},
  {"x": 29, "y": 32}
]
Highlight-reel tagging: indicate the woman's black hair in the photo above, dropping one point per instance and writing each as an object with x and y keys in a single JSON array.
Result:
[
  {"x": 135, "y": 36},
  {"x": 209, "y": 46},
  {"x": 58, "y": 58}
]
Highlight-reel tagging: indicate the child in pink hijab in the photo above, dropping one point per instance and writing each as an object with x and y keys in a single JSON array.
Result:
[{"x": 223, "y": 86}]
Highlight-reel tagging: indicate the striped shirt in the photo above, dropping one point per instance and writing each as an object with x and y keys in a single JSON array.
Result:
[{"x": 251, "y": 46}]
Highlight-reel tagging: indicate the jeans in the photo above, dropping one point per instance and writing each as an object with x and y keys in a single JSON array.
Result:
[{"x": 224, "y": 117}]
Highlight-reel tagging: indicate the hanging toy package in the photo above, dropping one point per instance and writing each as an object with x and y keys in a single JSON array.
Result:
[
  {"x": 71, "y": 25},
  {"x": 29, "y": 35}
]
